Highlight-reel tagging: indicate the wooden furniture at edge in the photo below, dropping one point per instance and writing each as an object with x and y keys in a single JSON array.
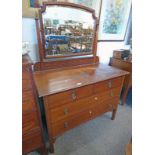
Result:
[
  {"x": 32, "y": 134},
  {"x": 76, "y": 95},
  {"x": 127, "y": 66}
]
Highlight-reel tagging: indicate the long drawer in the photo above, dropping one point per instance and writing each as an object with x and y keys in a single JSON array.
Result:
[
  {"x": 85, "y": 91},
  {"x": 29, "y": 121},
  {"x": 72, "y": 108},
  {"x": 32, "y": 140},
  {"x": 90, "y": 113}
]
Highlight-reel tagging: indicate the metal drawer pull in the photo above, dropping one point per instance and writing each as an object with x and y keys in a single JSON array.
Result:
[
  {"x": 96, "y": 98},
  {"x": 90, "y": 112},
  {"x": 112, "y": 94},
  {"x": 73, "y": 95},
  {"x": 66, "y": 124},
  {"x": 65, "y": 111},
  {"x": 109, "y": 84}
]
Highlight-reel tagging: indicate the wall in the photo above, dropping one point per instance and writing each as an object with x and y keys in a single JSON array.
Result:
[
  {"x": 29, "y": 35},
  {"x": 105, "y": 50}
]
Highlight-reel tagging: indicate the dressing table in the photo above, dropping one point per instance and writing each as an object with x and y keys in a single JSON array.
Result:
[{"x": 74, "y": 86}]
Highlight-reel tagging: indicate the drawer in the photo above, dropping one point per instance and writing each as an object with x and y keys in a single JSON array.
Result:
[
  {"x": 104, "y": 106},
  {"x": 108, "y": 95},
  {"x": 28, "y": 102},
  {"x": 32, "y": 141},
  {"x": 69, "y": 96},
  {"x": 26, "y": 81},
  {"x": 29, "y": 121},
  {"x": 109, "y": 84},
  {"x": 92, "y": 112},
  {"x": 63, "y": 126},
  {"x": 71, "y": 109}
]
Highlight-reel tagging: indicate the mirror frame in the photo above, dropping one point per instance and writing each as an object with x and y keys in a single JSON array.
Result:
[{"x": 40, "y": 30}]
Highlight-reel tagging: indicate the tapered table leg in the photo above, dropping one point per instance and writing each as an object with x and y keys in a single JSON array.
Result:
[{"x": 113, "y": 114}]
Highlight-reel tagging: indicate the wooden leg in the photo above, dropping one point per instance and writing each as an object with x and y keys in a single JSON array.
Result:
[
  {"x": 52, "y": 141},
  {"x": 113, "y": 114},
  {"x": 125, "y": 95},
  {"x": 43, "y": 151},
  {"x": 51, "y": 148}
]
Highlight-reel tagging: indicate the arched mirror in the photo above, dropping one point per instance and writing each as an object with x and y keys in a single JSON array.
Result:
[{"x": 67, "y": 30}]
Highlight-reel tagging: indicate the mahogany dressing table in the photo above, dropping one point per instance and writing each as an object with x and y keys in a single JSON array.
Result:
[{"x": 74, "y": 86}]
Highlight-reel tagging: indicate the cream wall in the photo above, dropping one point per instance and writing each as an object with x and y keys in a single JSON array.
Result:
[{"x": 29, "y": 35}]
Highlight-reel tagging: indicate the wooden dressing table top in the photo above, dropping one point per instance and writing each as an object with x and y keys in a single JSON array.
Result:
[{"x": 50, "y": 82}]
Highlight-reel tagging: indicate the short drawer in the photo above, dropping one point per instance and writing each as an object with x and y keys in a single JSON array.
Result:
[
  {"x": 26, "y": 81},
  {"x": 29, "y": 121},
  {"x": 28, "y": 102},
  {"x": 69, "y": 96},
  {"x": 32, "y": 141},
  {"x": 105, "y": 106},
  {"x": 108, "y": 95},
  {"x": 109, "y": 84},
  {"x": 72, "y": 108}
]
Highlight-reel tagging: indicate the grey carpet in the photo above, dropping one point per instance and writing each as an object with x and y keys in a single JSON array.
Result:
[{"x": 100, "y": 136}]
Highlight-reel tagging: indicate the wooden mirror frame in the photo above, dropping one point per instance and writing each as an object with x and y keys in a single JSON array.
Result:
[{"x": 41, "y": 39}]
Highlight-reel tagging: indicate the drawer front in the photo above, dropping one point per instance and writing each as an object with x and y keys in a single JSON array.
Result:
[
  {"x": 32, "y": 141},
  {"x": 29, "y": 121},
  {"x": 71, "y": 109},
  {"x": 106, "y": 85},
  {"x": 62, "y": 126},
  {"x": 26, "y": 81},
  {"x": 69, "y": 96},
  {"x": 28, "y": 102},
  {"x": 108, "y": 95},
  {"x": 92, "y": 112}
]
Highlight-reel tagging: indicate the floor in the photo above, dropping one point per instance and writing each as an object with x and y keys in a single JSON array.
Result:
[{"x": 101, "y": 136}]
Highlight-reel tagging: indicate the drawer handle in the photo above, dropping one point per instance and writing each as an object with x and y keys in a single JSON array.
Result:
[
  {"x": 65, "y": 111},
  {"x": 90, "y": 112},
  {"x": 109, "y": 84},
  {"x": 66, "y": 124},
  {"x": 112, "y": 94},
  {"x": 73, "y": 95},
  {"x": 96, "y": 98}
]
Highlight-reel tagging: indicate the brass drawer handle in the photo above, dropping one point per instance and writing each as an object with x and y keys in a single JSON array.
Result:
[
  {"x": 109, "y": 84},
  {"x": 66, "y": 124},
  {"x": 96, "y": 98},
  {"x": 65, "y": 111},
  {"x": 90, "y": 112},
  {"x": 112, "y": 94},
  {"x": 73, "y": 95}
]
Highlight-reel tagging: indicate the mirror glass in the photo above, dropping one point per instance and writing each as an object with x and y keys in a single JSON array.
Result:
[{"x": 68, "y": 31}]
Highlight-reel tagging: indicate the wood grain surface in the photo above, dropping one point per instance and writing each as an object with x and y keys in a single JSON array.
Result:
[{"x": 50, "y": 82}]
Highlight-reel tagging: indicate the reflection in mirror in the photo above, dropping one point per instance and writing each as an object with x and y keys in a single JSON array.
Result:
[{"x": 68, "y": 31}]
